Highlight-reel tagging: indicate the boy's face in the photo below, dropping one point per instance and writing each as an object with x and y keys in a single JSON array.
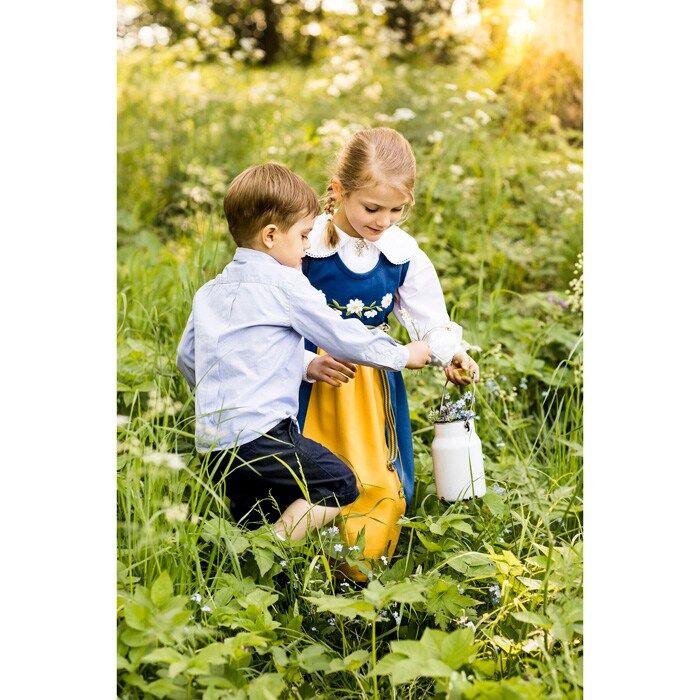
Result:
[
  {"x": 289, "y": 247},
  {"x": 372, "y": 210}
]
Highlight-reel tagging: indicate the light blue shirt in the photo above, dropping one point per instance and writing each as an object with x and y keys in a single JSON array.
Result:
[{"x": 243, "y": 351}]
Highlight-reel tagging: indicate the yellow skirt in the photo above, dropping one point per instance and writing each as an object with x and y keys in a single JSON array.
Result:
[{"x": 350, "y": 420}]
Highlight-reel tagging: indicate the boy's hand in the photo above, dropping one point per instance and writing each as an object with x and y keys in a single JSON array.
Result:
[
  {"x": 462, "y": 370},
  {"x": 325, "y": 368},
  {"x": 419, "y": 354}
]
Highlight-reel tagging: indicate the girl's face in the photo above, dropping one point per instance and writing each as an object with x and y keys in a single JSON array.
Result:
[{"x": 370, "y": 211}]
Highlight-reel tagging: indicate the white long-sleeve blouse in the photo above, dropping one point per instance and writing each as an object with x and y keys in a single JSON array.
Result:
[{"x": 419, "y": 304}]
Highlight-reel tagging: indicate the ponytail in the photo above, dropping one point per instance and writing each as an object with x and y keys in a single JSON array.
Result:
[{"x": 329, "y": 207}]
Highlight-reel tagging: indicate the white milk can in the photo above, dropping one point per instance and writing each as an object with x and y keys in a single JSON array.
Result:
[{"x": 458, "y": 462}]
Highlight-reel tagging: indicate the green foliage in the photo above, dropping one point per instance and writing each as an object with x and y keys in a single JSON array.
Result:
[{"x": 482, "y": 599}]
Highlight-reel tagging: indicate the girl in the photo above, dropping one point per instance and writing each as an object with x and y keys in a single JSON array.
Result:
[{"x": 368, "y": 267}]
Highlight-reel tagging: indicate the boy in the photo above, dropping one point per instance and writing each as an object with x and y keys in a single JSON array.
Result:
[{"x": 243, "y": 351}]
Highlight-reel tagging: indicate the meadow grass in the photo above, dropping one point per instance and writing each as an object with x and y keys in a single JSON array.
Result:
[{"x": 482, "y": 599}]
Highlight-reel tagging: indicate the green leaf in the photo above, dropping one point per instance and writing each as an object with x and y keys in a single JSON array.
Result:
[
  {"x": 163, "y": 655},
  {"x": 279, "y": 655},
  {"x": 314, "y": 658},
  {"x": 217, "y": 530},
  {"x": 269, "y": 686},
  {"x": 533, "y": 618},
  {"x": 472, "y": 564},
  {"x": 264, "y": 558},
  {"x": 350, "y": 663},
  {"x": 428, "y": 543},
  {"x": 346, "y": 607},
  {"x": 405, "y": 592},
  {"x": 136, "y": 616},
  {"x": 534, "y": 584},
  {"x": 495, "y": 503},
  {"x": 165, "y": 688},
  {"x": 136, "y": 638},
  {"x": 457, "y": 649},
  {"x": 162, "y": 589}
]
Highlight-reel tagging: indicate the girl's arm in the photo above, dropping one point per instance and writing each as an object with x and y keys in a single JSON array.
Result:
[{"x": 419, "y": 306}]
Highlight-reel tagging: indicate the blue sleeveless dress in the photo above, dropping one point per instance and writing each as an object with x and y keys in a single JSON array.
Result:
[{"x": 376, "y": 289}]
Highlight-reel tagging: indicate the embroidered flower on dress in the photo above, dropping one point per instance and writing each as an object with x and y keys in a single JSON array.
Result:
[
  {"x": 386, "y": 300},
  {"x": 371, "y": 313},
  {"x": 355, "y": 306}
]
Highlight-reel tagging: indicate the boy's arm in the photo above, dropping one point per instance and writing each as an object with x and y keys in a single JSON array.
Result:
[
  {"x": 185, "y": 353},
  {"x": 344, "y": 339}
]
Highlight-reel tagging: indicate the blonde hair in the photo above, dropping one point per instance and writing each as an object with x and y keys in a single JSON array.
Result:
[
  {"x": 371, "y": 156},
  {"x": 266, "y": 194}
]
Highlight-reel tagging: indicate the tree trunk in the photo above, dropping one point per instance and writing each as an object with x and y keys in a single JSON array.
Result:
[{"x": 270, "y": 39}]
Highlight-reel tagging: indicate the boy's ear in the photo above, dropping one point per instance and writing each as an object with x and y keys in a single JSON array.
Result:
[{"x": 267, "y": 235}]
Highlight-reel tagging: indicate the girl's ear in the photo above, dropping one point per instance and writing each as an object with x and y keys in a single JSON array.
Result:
[
  {"x": 267, "y": 235},
  {"x": 337, "y": 189}
]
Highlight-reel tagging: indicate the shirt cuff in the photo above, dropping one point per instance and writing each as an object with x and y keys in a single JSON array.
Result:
[
  {"x": 401, "y": 357},
  {"x": 308, "y": 357},
  {"x": 444, "y": 342}
]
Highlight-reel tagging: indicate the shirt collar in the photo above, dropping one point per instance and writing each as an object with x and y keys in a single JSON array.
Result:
[
  {"x": 256, "y": 256},
  {"x": 397, "y": 245}
]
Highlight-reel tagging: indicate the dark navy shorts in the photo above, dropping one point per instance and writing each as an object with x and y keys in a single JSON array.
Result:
[{"x": 263, "y": 477}]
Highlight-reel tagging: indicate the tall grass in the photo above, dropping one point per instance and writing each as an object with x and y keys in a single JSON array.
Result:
[{"x": 482, "y": 599}]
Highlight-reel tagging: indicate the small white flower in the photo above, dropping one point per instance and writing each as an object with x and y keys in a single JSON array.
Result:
[
  {"x": 436, "y": 136},
  {"x": 437, "y": 217},
  {"x": 574, "y": 168},
  {"x": 196, "y": 597},
  {"x": 338, "y": 547},
  {"x": 206, "y": 608},
  {"x": 355, "y": 306},
  {"x": 283, "y": 563},
  {"x": 404, "y": 114},
  {"x": 168, "y": 459},
  {"x": 384, "y": 560},
  {"x": 122, "y": 421},
  {"x": 386, "y": 300},
  {"x": 457, "y": 170},
  {"x": 177, "y": 513},
  {"x": 474, "y": 96},
  {"x": 331, "y": 531},
  {"x": 373, "y": 92},
  {"x": 371, "y": 313},
  {"x": 483, "y": 118},
  {"x": 354, "y": 548}
]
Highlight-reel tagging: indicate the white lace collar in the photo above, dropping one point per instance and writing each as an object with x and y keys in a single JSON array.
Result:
[{"x": 397, "y": 245}]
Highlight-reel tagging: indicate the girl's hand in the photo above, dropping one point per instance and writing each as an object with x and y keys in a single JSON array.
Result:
[
  {"x": 325, "y": 368},
  {"x": 462, "y": 370}
]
